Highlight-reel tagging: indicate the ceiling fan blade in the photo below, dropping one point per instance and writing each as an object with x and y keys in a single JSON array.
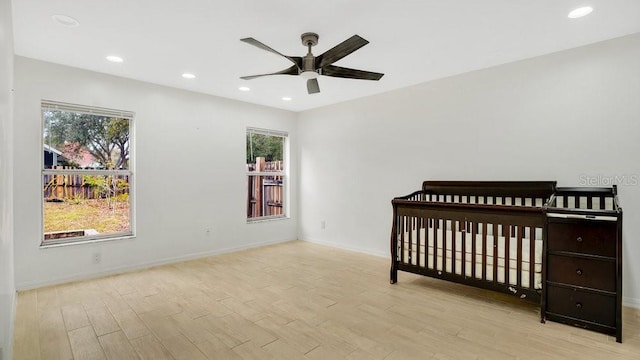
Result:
[
  {"x": 341, "y": 50},
  {"x": 312, "y": 86},
  {"x": 337, "y": 71},
  {"x": 294, "y": 59},
  {"x": 289, "y": 71}
]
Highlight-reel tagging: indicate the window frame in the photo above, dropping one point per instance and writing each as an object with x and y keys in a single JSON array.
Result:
[
  {"x": 284, "y": 173},
  {"x": 90, "y": 110}
]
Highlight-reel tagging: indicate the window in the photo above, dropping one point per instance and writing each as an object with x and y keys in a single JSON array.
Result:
[
  {"x": 266, "y": 174},
  {"x": 86, "y": 173}
]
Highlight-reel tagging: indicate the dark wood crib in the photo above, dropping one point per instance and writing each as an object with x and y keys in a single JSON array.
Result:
[{"x": 516, "y": 238}]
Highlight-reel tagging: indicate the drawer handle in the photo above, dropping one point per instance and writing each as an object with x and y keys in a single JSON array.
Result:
[
  {"x": 579, "y": 305},
  {"x": 579, "y": 239},
  {"x": 579, "y": 271}
]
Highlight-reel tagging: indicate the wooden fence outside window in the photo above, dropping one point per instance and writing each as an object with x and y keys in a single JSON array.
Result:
[{"x": 265, "y": 192}]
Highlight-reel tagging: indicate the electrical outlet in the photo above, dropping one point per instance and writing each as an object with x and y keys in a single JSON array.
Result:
[
  {"x": 96, "y": 258},
  {"x": 323, "y": 224}
]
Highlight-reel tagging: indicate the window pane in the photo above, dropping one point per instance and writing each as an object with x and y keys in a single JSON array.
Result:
[
  {"x": 80, "y": 140},
  {"x": 264, "y": 152},
  {"x": 78, "y": 206},
  {"x": 265, "y": 196}
]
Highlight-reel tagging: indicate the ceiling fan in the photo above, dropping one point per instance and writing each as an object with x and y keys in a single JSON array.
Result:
[{"x": 310, "y": 67}]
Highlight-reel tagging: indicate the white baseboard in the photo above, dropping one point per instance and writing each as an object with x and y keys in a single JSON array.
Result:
[
  {"x": 631, "y": 302},
  {"x": 127, "y": 268},
  {"x": 348, "y": 247}
]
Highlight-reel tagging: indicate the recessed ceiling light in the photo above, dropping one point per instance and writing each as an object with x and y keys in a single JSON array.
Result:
[
  {"x": 580, "y": 12},
  {"x": 244, "y": 88},
  {"x": 113, "y": 58},
  {"x": 188, "y": 76},
  {"x": 286, "y": 98},
  {"x": 65, "y": 20}
]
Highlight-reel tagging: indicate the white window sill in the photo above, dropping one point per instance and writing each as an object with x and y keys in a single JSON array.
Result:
[
  {"x": 267, "y": 219},
  {"x": 87, "y": 241}
]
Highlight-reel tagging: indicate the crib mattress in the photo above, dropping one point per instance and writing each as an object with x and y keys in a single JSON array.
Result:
[{"x": 414, "y": 254}]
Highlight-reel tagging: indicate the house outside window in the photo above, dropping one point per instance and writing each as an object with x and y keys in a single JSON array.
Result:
[
  {"x": 267, "y": 175},
  {"x": 87, "y": 178}
]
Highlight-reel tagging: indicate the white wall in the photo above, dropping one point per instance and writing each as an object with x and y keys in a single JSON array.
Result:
[
  {"x": 556, "y": 117},
  {"x": 189, "y": 171},
  {"x": 7, "y": 287}
]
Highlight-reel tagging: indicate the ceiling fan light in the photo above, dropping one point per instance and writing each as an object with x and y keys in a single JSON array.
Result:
[{"x": 308, "y": 74}]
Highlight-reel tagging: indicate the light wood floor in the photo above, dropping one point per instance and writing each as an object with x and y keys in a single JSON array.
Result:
[{"x": 293, "y": 301}]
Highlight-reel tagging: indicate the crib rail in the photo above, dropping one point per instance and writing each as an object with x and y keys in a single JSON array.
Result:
[
  {"x": 460, "y": 242},
  {"x": 585, "y": 201},
  {"x": 537, "y": 189}
]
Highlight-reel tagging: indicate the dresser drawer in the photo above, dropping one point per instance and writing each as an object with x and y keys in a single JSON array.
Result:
[
  {"x": 600, "y": 309},
  {"x": 586, "y": 237},
  {"x": 596, "y": 274}
]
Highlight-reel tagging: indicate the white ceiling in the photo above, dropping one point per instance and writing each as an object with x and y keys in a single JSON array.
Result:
[{"x": 411, "y": 41}]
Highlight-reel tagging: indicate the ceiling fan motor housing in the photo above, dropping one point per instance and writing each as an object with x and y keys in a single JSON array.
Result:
[{"x": 309, "y": 39}]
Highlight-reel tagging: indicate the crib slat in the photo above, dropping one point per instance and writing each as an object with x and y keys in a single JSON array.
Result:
[
  {"x": 484, "y": 251},
  {"x": 409, "y": 238},
  {"x": 431, "y": 236},
  {"x": 454, "y": 234},
  {"x": 415, "y": 252},
  {"x": 444, "y": 245},
  {"x": 507, "y": 252},
  {"x": 532, "y": 256},
  {"x": 419, "y": 241},
  {"x": 443, "y": 236},
  {"x": 519, "y": 256},
  {"x": 403, "y": 231},
  {"x": 464, "y": 249},
  {"x": 436, "y": 224},
  {"x": 410, "y": 241},
  {"x": 474, "y": 232},
  {"x": 424, "y": 225},
  {"x": 495, "y": 253}
]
